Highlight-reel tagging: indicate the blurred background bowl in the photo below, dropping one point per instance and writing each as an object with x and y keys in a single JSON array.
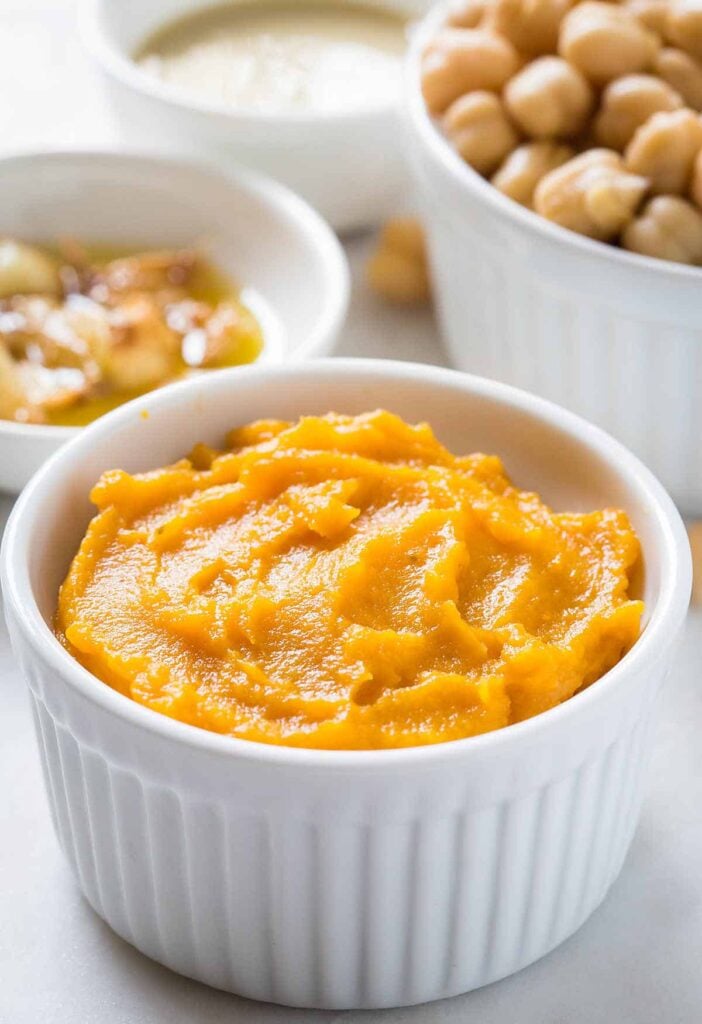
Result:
[
  {"x": 289, "y": 264},
  {"x": 350, "y": 166}
]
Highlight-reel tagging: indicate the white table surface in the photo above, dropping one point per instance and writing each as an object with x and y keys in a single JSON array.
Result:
[{"x": 637, "y": 961}]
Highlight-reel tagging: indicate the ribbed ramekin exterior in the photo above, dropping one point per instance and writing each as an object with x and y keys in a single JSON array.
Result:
[
  {"x": 637, "y": 377},
  {"x": 351, "y": 891},
  {"x": 614, "y": 337}
]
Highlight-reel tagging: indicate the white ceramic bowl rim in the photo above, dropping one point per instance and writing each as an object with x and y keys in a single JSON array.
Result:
[
  {"x": 465, "y": 177},
  {"x": 102, "y": 46},
  {"x": 659, "y": 632},
  {"x": 275, "y": 194}
]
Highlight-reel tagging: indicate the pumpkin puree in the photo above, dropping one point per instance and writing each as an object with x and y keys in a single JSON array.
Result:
[{"x": 345, "y": 582}]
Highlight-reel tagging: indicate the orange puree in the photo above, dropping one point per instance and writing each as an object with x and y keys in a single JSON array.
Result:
[{"x": 345, "y": 582}]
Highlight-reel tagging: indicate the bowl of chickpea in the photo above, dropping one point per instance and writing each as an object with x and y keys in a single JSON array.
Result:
[{"x": 557, "y": 148}]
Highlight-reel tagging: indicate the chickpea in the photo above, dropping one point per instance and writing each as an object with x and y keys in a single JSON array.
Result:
[
  {"x": 480, "y": 130},
  {"x": 460, "y": 60},
  {"x": 664, "y": 148},
  {"x": 694, "y": 532},
  {"x": 696, "y": 182},
  {"x": 683, "y": 73},
  {"x": 627, "y": 103},
  {"x": 523, "y": 169},
  {"x": 398, "y": 270},
  {"x": 592, "y": 194},
  {"x": 531, "y": 25},
  {"x": 467, "y": 14},
  {"x": 139, "y": 351},
  {"x": 684, "y": 26},
  {"x": 653, "y": 14},
  {"x": 606, "y": 41},
  {"x": 26, "y": 269},
  {"x": 549, "y": 99},
  {"x": 405, "y": 235},
  {"x": 669, "y": 228}
]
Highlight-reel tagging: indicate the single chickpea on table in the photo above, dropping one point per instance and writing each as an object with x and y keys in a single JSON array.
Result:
[
  {"x": 587, "y": 112},
  {"x": 397, "y": 270},
  {"x": 695, "y": 534}
]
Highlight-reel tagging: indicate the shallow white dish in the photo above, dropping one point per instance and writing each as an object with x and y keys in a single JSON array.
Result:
[
  {"x": 350, "y": 166},
  {"x": 615, "y": 336},
  {"x": 270, "y": 241},
  {"x": 343, "y": 879}
]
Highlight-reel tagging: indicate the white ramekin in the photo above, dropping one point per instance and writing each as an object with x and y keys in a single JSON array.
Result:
[
  {"x": 343, "y": 879},
  {"x": 350, "y": 166},
  {"x": 614, "y": 336},
  {"x": 265, "y": 237}
]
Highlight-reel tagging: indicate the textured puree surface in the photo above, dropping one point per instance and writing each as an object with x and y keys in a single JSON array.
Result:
[{"x": 345, "y": 582}]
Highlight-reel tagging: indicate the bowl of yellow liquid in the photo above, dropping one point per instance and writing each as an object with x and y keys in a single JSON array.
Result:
[{"x": 120, "y": 274}]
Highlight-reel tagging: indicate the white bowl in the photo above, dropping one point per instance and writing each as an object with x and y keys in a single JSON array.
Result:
[
  {"x": 357, "y": 878},
  {"x": 350, "y": 166},
  {"x": 265, "y": 237},
  {"x": 612, "y": 335}
]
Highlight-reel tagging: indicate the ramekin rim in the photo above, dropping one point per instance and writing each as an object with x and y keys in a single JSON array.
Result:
[
  {"x": 660, "y": 631},
  {"x": 37, "y": 431},
  {"x": 279, "y": 197},
  {"x": 464, "y": 177},
  {"x": 110, "y": 57}
]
